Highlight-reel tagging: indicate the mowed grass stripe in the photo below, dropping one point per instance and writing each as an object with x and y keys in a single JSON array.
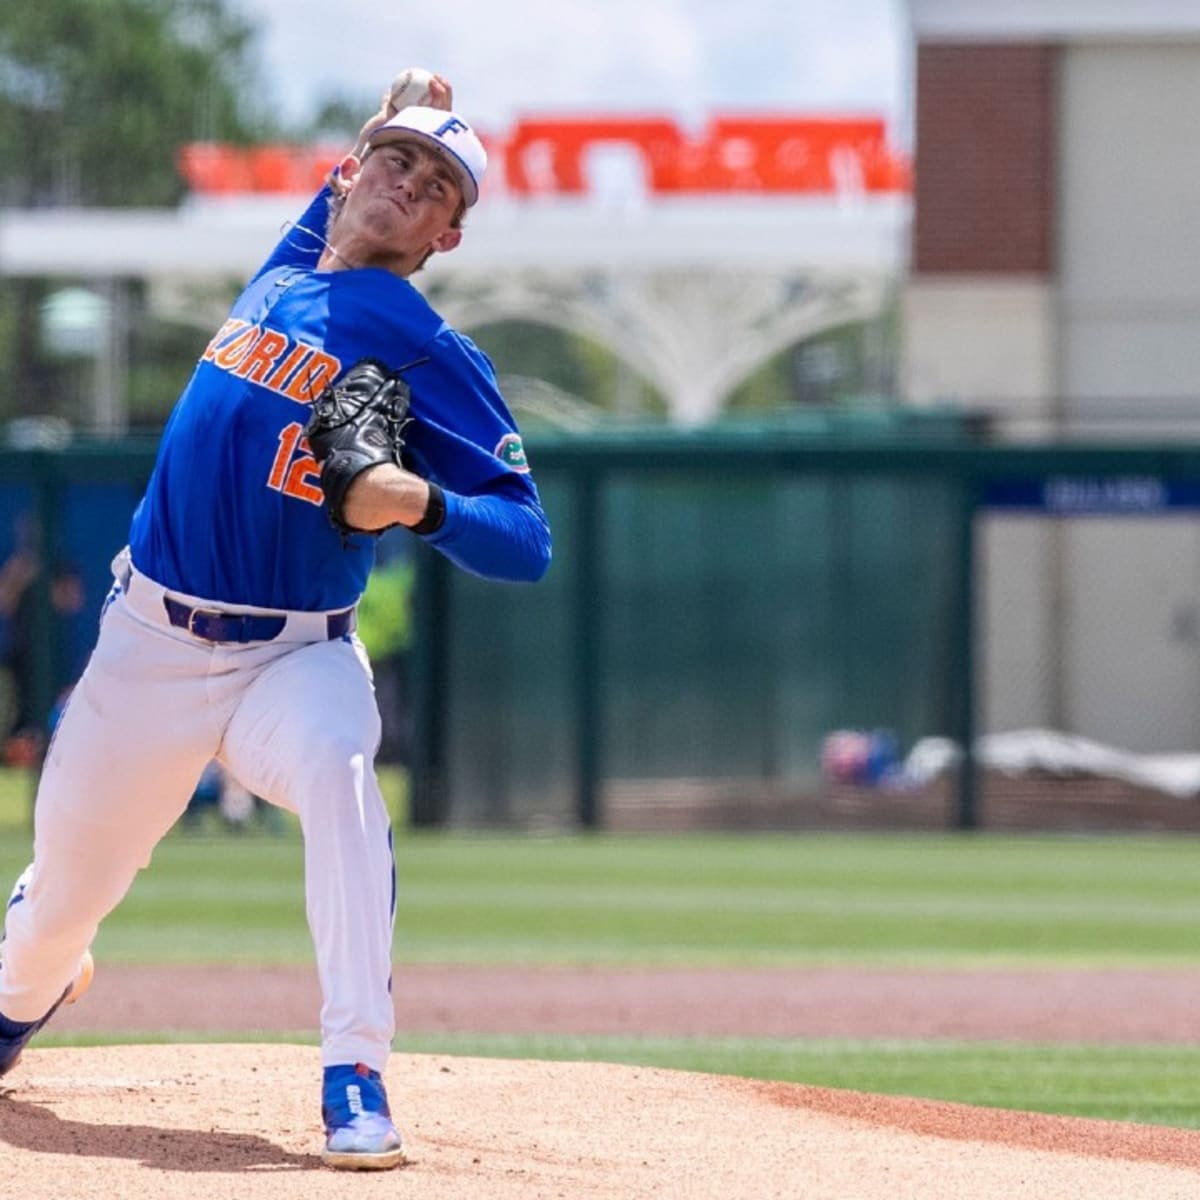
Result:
[
  {"x": 769, "y": 900},
  {"x": 164, "y": 890}
]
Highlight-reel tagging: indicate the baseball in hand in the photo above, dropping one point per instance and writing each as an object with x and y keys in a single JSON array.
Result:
[{"x": 410, "y": 87}]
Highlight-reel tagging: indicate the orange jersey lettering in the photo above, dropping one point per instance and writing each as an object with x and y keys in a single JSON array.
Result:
[
  {"x": 262, "y": 357},
  {"x": 267, "y": 357},
  {"x": 221, "y": 336},
  {"x": 236, "y": 348},
  {"x": 310, "y": 381},
  {"x": 298, "y": 353}
]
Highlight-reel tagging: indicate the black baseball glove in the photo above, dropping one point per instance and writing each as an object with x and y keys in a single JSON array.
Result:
[{"x": 356, "y": 423}]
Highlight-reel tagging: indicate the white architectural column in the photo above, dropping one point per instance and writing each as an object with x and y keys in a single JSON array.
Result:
[
  {"x": 695, "y": 334},
  {"x": 693, "y": 295}
]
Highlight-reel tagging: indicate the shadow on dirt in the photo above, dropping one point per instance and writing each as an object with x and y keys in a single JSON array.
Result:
[{"x": 34, "y": 1127}]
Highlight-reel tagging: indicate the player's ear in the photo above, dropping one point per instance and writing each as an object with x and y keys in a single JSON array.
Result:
[
  {"x": 342, "y": 176},
  {"x": 447, "y": 240}
]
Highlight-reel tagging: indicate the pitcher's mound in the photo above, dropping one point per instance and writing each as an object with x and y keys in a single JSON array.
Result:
[{"x": 242, "y": 1122}]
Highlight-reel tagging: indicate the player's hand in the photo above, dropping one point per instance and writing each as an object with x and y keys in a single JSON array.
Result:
[{"x": 441, "y": 95}]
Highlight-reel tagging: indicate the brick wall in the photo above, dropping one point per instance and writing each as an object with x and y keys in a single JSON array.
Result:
[{"x": 985, "y": 153}]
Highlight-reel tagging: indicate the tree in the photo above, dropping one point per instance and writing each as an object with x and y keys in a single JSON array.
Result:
[{"x": 97, "y": 96}]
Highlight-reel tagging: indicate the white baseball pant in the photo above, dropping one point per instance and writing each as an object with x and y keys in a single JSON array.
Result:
[{"x": 294, "y": 720}]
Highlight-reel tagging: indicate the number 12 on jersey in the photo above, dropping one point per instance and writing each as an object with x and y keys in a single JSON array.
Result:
[{"x": 294, "y": 466}]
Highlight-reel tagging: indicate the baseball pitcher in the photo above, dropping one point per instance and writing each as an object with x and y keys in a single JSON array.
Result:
[{"x": 332, "y": 404}]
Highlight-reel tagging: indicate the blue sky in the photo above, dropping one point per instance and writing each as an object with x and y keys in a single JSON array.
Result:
[{"x": 683, "y": 57}]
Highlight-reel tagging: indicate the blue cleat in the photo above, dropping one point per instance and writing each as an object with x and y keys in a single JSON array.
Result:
[
  {"x": 361, "y": 1136},
  {"x": 15, "y": 1035}
]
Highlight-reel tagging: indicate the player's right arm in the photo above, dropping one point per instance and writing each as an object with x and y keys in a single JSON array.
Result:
[{"x": 303, "y": 241}]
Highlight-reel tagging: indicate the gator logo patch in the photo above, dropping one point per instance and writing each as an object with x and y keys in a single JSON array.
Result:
[{"x": 511, "y": 452}]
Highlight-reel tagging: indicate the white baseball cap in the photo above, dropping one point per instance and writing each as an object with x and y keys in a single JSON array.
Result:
[{"x": 448, "y": 135}]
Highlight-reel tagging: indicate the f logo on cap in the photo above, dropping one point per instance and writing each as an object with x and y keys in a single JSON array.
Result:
[{"x": 446, "y": 132}]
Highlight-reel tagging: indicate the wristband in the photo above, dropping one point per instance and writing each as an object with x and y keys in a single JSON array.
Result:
[{"x": 435, "y": 511}]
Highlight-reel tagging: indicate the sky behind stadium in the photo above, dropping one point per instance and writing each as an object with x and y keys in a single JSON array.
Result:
[{"x": 686, "y": 58}]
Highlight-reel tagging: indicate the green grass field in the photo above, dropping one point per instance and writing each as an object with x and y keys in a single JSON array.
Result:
[
  {"x": 711, "y": 900},
  {"x": 944, "y": 900}
]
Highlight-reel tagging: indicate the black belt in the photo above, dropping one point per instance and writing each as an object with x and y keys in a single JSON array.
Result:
[{"x": 212, "y": 625}]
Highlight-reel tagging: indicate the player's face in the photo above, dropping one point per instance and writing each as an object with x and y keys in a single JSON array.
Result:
[{"x": 402, "y": 205}]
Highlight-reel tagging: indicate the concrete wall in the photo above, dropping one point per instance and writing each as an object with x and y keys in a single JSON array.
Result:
[
  {"x": 1090, "y": 625},
  {"x": 983, "y": 341},
  {"x": 1129, "y": 223},
  {"x": 1129, "y": 330}
]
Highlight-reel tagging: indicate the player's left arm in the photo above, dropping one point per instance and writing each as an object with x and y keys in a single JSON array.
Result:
[
  {"x": 465, "y": 486},
  {"x": 499, "y": 531}
]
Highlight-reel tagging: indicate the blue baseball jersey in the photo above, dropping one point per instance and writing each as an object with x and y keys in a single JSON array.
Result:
[{"x": 234, "y": 510}]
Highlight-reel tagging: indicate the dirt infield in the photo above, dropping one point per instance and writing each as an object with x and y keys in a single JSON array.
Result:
[
  {"x": 160, "y": 1122},
  {"x": 237, "y": 1123}
]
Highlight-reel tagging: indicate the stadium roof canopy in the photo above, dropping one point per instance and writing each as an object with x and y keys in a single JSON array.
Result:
[{"x": 233, "y": 236}]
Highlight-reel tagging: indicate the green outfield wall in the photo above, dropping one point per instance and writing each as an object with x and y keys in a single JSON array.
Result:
[{"x": 719, "y": 602}]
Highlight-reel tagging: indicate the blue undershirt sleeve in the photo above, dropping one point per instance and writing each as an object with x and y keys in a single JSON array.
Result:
[{"x": 499, "y": 534}]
